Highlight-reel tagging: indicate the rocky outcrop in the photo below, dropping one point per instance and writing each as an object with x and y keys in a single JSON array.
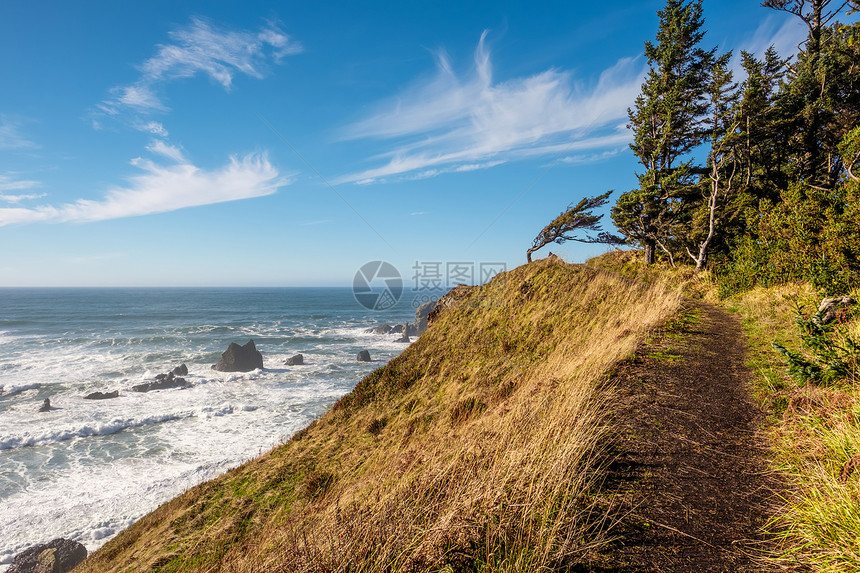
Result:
[
  {"x": 181, "y": 370},
  {"x": 421, "y": 314},
  {"x": 58, "y": 556},
  {"x": 404, "y": 338},
  {"x": 46, "y": 406},
  {"x": 830, "y": 308},
  {"x": 363, "y": 356},
  {"x": 453, "y": 298},
  {"x": 162, "y": 382},
  {"x": 296, "y": 360},
  {"x": 240, "y": 358},
  {"x": 409, "y": 329},
  {"x": 102, "y": 395}
]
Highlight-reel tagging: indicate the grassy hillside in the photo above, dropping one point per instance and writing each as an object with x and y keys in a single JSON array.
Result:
[{"x": 472, "y": 450}]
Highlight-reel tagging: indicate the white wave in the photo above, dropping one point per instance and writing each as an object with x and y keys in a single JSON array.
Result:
[
  {"x": 27, "y": 439},
  {"x": 16, "y": 388}
]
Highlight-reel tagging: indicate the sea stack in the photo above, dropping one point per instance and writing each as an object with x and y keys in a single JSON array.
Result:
[{"x": 240, "y": 358}]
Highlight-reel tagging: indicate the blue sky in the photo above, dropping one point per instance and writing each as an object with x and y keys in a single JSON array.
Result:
[{"x": 283, "y": 143}]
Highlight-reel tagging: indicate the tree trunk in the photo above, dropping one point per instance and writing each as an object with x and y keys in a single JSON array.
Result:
[
  {"x": 650, "y": 246},
  {"x": 529, "y": 254}
]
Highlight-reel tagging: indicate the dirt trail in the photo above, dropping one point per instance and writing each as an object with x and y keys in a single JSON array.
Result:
[{"x": 689, "y": 467}]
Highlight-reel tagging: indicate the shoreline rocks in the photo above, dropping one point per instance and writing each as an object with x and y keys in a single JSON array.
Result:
[
  {"x": 46, "y": 406},
  {"x": 363, "y": 356},
  {"x": 102, "y": 395},
  {"x": 410, "y": 329},
  {"x": 240, "y": 358},
  {"x": 57, "y": 556},
  {"x": 296, "y": 360},
  {"x": 162, "y": 382}
]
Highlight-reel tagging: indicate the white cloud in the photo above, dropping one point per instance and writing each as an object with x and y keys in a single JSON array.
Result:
[
  {"x": 783, "y": 32},
  {"x": 159, "y": 189},
  {"x": 10, "y": 135},
  {"x": 9, "y": 182},
  {"x": 201, "y": 48},
  {"x": 170, "y": 151},
  {"x": 591, "y": 157},
  {"x": 153, "y": 127},
  {"x": 19, "y": 198},
  {"x": 454, "y": 123}
]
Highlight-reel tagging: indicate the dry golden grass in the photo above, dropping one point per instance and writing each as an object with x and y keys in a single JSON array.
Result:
[{"x": 474, "y": 450}]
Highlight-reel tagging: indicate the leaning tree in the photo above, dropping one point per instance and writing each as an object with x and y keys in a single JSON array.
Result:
[{"x": 575, "y": 219}]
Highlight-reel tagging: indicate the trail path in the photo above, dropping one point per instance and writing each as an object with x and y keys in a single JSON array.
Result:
[{"x": 689, "y": 468}]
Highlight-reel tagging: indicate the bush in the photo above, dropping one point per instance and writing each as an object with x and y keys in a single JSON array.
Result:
[{"x": 831, "y": 356}]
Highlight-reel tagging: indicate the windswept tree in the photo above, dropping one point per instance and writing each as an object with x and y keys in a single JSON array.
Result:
[
  {"x": 575, "y": 219},
  {"x": 667, "y": 124}
]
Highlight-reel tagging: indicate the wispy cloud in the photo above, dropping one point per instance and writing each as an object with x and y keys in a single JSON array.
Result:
[
  {"x": 461, "y": 123},
  {"x": 317, "y": 222},
  {"x": 160, "y": 189},
  {"x": 18, "y": 198},
  {"x": 201, "y": 49},
  {"x": 11, "y": 137},
  {"x": 11, "y": 182},
  {"x": 780, "y": 31},
  {"x": 163, "y": 148}
]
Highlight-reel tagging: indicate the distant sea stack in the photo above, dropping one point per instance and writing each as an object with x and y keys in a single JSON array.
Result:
[{"x": 240, "y": 358}]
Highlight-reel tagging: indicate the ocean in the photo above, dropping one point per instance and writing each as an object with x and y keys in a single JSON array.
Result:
[{"x": 86, "y": 469}]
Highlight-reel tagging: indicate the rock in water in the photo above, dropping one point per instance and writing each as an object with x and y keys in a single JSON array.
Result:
[
  {"x": 404, "y": 338},
  {"x": 58, "y": 556},
  {"x": 296, "y": 360},
  {"x": 363, "y": 356},
  {"x": 46, "y": 406},
  {"x": 181, "y": 370},
  {"x": 102, "y": 395},
  {"x": 240, "y": 358},
  {"x": 162, "y": 382}
]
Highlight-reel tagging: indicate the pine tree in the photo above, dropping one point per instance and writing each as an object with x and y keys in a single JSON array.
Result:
[
  {"x": 722, "y": 182},
  {"x": 667, "y": 124}
]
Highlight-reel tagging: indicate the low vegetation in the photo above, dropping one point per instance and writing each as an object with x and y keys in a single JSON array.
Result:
[
  {"x": 814, "y": 404},
  {"x": 477, "y": 449}
]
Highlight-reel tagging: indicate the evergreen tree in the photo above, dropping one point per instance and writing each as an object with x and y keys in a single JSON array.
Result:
[
  {"x": 722, "y": 182},
  {"x": 667, "y": 124},
  {"x": 821, "y": 98}
]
